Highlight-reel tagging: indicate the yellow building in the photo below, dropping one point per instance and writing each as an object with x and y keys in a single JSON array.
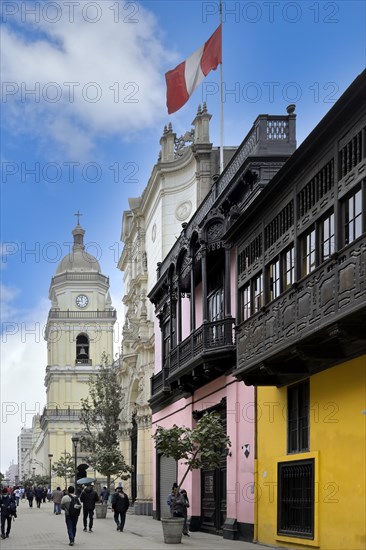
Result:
[
  {"x": 79, "y": 330},
  {"x": 301, "y": 337}
]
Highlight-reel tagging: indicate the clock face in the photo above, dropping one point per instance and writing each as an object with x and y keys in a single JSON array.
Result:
[{"x": 82, "y": 300}]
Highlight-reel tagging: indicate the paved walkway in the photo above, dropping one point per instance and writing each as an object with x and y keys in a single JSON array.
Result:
[{"x": 40, "y": 529}]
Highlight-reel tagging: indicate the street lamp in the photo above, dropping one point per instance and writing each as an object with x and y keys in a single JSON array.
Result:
[
  {"x": 50, "y": 457},
  {"x": 75, "y": 441}
]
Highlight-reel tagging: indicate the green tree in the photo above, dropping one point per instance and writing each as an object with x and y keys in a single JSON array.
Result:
[
  {"x": 64, "y": 467},
  {"x": 100, "y": 413},
  {"x": 198, "y": 447}
]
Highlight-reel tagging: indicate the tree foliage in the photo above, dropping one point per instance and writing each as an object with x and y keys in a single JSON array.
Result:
[
  {"x": 100, "y": 413},
  {"x": 198, "y": 447},
  {"x": 64, "y": 468}
]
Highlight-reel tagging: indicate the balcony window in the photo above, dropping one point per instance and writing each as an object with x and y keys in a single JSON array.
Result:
[
  {"x": 288, "y": 268},
  {"x": 308, "y": 249},
  {"x": 257, "y": 293},
  {"x": 216, "y": 305},
  {"x": 166, "y": 340},
  {"x": 353, "y": 217},
  {"x": 245, "y": 302},
  {"x": 326, "y": 237},
  {"x": 274, "y": 280}
]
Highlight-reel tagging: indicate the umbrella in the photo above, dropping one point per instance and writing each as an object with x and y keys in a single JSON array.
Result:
[{"x": 85, "y": 480}]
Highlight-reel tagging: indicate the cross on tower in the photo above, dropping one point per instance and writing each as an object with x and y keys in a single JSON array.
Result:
[{"x": 78, "y": 214}]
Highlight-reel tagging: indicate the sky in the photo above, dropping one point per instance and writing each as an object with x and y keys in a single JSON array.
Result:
[{"x": 83, "y": 109}]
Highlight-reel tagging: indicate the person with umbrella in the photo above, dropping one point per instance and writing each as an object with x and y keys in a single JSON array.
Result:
[{"x": 89, "y": 497}]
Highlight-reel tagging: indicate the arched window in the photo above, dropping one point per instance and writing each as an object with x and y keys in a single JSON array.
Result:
[{"x": 82, "y": 350}]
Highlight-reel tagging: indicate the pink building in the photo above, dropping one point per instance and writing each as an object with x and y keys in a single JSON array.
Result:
[{"x": 195, "y": 349}]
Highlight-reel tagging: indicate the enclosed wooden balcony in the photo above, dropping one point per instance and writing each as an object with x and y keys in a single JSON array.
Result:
[
  {"x": 207, "y": 353},
  {"x": 316, "y": 324}
]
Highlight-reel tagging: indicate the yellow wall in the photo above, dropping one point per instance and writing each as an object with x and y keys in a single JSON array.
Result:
[{"x": 338, "y": 444}]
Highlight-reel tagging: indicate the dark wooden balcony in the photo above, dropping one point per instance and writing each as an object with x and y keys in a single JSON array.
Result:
[
  {"x": 206, "y": 354},
  {"x": 318, "y": 323}
]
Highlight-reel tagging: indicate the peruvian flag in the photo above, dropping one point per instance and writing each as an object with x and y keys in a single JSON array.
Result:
[{"x": 184, "y": 79}]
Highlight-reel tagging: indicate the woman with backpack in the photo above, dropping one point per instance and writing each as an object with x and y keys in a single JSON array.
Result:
[
  {"x": 72, "y": 506},
  {"x": 8, "y": 511}
]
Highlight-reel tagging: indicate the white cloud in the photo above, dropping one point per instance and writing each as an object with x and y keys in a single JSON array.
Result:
[
  {"x": 23, "y": 362},
  {"x": 127, "y": 57}
]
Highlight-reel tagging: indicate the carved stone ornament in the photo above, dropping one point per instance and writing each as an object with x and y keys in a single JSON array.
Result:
[
  {"x": 181, "y": 142},
  {"x": 214, "y": 232},
  {"x": 183, "y": 210}
]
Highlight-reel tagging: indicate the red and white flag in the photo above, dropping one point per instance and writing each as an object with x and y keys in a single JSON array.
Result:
[{"x": 184, "y": 79}]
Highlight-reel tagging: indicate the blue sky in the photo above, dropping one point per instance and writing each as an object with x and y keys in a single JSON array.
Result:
[{"x": 88, "y": 137}]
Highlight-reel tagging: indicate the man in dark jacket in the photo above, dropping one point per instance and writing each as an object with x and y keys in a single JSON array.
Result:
[
  {"x": 8, "y": 510},
  {"x": 120, "y": 504},
  {"x": 89, "y": 497}
]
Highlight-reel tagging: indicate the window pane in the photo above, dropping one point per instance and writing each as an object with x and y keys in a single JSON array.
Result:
[
  {"x": 289, "y": 268},
  {"x": 308, "y": 253},
  {"x": 245, "y": 303},
  {"x": 327, "y": 237},
  {"x": 258, "y": 293},
  {"x": 274, "y": 280}
]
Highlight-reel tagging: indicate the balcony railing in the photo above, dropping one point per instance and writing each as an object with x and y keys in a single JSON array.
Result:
[
  {"x": 210, "y": 340},
  {"x": 68, "y": 314},
  {"x": 59, "y": 414},
  {"x": 83, "y": 362}
]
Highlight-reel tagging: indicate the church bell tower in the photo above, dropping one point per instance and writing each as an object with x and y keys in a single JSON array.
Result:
[{"x": 79, "y": 331}]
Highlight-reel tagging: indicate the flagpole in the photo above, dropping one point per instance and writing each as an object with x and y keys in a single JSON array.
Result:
[{"x": 221, "y": 106}]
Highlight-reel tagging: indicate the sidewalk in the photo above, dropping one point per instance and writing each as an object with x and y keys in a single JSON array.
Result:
[{"x": 40, "y": 529}]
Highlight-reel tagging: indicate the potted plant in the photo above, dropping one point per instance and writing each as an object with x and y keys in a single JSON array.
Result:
[{"x": 198, "y": 447}]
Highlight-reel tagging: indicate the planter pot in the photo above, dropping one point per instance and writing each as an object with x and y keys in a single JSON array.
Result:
[
  {"x": 172, "y": 530},
  {"x": 101, "y": 511}
]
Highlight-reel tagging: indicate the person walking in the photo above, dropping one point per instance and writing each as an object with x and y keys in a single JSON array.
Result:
[
  {"x": 72, "y": 506},
  {"x": 171, "y": 498},
  {"x": 38, "y": 493},
  {"x": 8, "y": 511},
  {"x": 120, "y": 505},
  {"x": 17, "y": 495},
  {"x": 30, "y": 497},
  {"x": 185, "y": 512},
  {"x": 89, "y": 497},
  {"x": 57, "y": 497}
]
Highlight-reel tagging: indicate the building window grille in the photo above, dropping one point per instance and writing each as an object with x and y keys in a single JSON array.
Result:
[
  {"x": 353, "y": 217},
  {"x": 295, "y": 513},
  {"x": 317, "y": 187},
  {"x": 351, "y": 154},
  {"x": 279, "y": 225},
  {"x": 298, "y": 418}
]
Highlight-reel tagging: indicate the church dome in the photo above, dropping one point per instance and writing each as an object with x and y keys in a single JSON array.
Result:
[{"x": 78, "y": 260}]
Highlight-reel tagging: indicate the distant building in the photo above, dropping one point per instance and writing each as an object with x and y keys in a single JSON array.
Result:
[
  {"x": 24, "y": 444},
  {"x": 12, "y": 475}
]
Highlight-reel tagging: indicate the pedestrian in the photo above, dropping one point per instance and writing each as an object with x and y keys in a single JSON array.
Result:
[
  {"x": 17, "y": 495},
  {"x": 72, "y": 506},
  {"x": 49, "y": 494},
  {"x": 104, "y": 495},
  {"x": 30, "y": 497},
  {"x": 8, "y": 511},
  {"x": 89, "y": 497},
  {"x": 56, "y": 498},
  {"x": 171, "y": 498},
  {"x": 44, "y": 494},
  {"x": 120, "y": 505},
  {"x": 185, "y": 512},
  {"x": 38, "y": 493}
]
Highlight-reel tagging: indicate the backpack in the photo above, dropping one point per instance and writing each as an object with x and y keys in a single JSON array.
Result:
[
  {"x": 12, "y": 508},
  {"x": 74, "y": 507}
]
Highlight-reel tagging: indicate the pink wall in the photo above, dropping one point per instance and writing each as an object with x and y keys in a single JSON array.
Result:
[
  {"x": 198, "y": 304},
  {"x": 240, "y": 429}
]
